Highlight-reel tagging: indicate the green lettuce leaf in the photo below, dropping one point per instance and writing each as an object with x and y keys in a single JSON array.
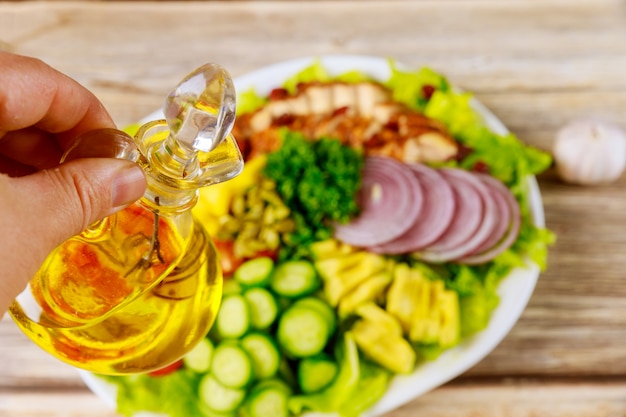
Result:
[
  {"x": 411, "y": 88},
  {"x": 506, "y": 157},
  {"x": 174, "y": 394},
  {"x": 372, "y": 385},
  {"x": 249, "y": 101},
  {"x": 314, "y": 72}
]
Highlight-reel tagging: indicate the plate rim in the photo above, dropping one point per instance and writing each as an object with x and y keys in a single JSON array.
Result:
[{"x": 516, "y": 288}]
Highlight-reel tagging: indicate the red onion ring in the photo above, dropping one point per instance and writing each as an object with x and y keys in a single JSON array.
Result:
[
  {"x": 390, "y": 199},
  {"x": 465, "y": 238},
  {"x": 467, "y": 217},
  {"x": 512, "y": 232},
  {"x": 503, "y": 218},
  {"x": 435, "y": 217}
]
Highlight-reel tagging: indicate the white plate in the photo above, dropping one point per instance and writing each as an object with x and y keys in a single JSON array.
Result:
[{"x": 514, "y": 291}]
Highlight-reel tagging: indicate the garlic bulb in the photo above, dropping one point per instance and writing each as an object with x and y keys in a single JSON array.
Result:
[{"x": 590, "y": 152}]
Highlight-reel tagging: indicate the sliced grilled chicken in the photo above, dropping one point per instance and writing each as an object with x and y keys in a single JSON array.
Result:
[
  {"x": 344, "y": 95},
  {"x": 362, "y": 115}
]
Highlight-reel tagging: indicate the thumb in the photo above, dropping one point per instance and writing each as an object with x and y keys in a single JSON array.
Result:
[{"x": 50, "y": 206}]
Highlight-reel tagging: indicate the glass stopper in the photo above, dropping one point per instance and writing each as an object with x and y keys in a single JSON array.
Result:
[{"x": 200, "y": 111}]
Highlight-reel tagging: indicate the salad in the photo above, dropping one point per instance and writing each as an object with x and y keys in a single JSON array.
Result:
[{"x": 367, "y": 236}]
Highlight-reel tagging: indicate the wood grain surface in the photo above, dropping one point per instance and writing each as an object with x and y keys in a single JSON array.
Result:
[{"x": 536, "y": 64}]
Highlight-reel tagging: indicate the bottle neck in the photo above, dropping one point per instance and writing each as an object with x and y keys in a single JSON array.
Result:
[
  {"x": 168, "y": 168},
  {"x": 178, "y": 163},
  {"x": 175, "y": 172},
  {"x": 164, "y": 196}
]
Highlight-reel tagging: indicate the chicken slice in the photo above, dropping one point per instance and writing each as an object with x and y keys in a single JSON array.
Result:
[{"x": 368, "y": 95}]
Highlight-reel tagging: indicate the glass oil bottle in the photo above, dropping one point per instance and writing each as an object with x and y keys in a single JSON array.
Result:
[{"x": 137, "y": 290}]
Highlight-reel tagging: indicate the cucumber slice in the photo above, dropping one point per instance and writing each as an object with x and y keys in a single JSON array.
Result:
[
  {"x": 199, "y": 358},
  {"x": 263, "y": 307},
  {"x": 255, "y": 272},
  {"x": 277, "y": 383},
  {"x": 316, "y": 373},
  {"x": 295, "y": 279},
  {"x": 267, "y": 400},
  {"x": 264, "y": 354},
  {"x": 233, "y": 319},
  {"x": 231, "y": 365},
  {"x": 207, "y": 412},
  {"x": 302, "y": 331},
  {"x": 217, "y": 397},
  {"x": 323, "y": 308}
]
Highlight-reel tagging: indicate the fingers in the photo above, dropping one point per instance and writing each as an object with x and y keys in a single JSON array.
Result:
[
  {"x": 34, "y": 94},
  {"x": 74, "y": 195},
  {"x": 42, "y": 112},
  {"x": 31, "y": 147},
  {"x": 37, "y": 150},
  {"x": 41, "y": 210},
  {"x": 13, "y": 168},
  {"x": 103, "y": 143}
]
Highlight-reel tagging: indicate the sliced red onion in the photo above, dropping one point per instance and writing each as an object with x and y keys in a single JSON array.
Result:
[
  {"x": 453, "y": 246},
  {"x": 503, "y": 219},
  {"x": 435, "y": 217},
  {"x": 512, "y": 232},
  {"x": 390, "y": 200},
  {"x": 467, "y": 216}
]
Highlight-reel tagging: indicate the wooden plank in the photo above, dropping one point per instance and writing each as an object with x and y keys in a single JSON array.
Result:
[
  {"x": 553, "y": 59},
  {"x": 512, "y": 400},
  {"x": 27, "y": 365},
  {"x": 75, "y": 403},
  {"x": 574, "y": 323}
]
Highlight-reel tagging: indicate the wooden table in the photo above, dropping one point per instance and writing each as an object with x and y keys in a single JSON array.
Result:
[{"x": 536, "y": 64}]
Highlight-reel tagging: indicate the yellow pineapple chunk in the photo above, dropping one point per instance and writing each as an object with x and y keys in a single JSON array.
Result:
[
  {"x": 391, "y": 351},
  {"x": 368, "y": 291},
  {"x": 378, "y": 317},
  {"x": 341, "y": 275}
]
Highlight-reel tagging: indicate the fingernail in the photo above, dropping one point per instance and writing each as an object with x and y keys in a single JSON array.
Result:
[
  {"x": 129, "y": 185},
  {"x": 101, "y": 143}
]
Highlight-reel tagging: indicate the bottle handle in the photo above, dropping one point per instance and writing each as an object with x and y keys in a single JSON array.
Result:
[{"x": 102, "y": 143}]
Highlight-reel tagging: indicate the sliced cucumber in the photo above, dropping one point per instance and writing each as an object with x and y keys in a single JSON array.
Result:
[
  {"x": 255, "y": 272},
  {"x": 321, "y": 307},
  {"x": 331, "y": 398},
  {"x": 231, "y": 365},
  {"x": 267, "y": 400},
  {"x": 264, "y": 354},
  {"x": 205, "y": 411},
  {"x": 199, "y": 358},
  {"x": 295, "y": 279},
  {"x": 263, "y": 307},
  {"x": 302, "y": 331},
  {"x": 316, "y": 373},
  {"x": 277, "y": 383},
  {"x": 233, "y": 319},
  {"x": 219, "y": 398}
]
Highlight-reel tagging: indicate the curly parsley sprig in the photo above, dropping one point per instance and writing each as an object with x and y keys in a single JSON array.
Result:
[{"x": 319, "y": 181}]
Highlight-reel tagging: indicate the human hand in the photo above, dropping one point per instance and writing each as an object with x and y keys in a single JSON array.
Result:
[{"x": 42, "y": 203}]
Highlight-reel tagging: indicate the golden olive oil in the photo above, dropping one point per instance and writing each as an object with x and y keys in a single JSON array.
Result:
[{"x": 84, "y": 324}]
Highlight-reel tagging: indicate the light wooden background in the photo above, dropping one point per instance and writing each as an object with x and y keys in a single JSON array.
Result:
[{"x": 537, "y": 64}]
